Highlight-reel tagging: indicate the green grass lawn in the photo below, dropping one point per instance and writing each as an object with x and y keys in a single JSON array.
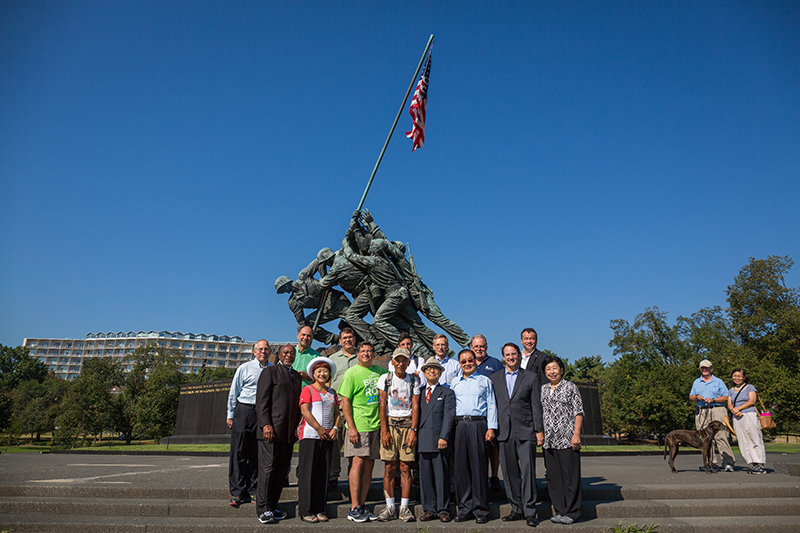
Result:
[
  {"x": 770, "y": 447},
  {"x": 782, "y": 447}
]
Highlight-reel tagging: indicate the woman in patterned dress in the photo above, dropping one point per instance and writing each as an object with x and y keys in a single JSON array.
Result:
[{"x": 562, "y": 410}]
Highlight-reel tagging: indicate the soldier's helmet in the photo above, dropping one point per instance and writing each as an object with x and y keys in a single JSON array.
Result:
[
  {"x": 281, "y": 282},
  {"x": 324, "y": 254},
  {"x": 400, "y": 246}
]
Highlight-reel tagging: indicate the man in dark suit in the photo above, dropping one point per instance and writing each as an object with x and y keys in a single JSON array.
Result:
[
  {"x": 437, "y": 411},
  {"x": 520, "y": 431},
  {"x": 531, "y": 357},
  {"x": 278, "y": 410}
]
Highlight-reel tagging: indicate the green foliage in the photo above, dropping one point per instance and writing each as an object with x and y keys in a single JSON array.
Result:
[
  {"x": 16, "y": 367},
  {"x": 150, "y": 396},
  {"x": 633, "y": 528},
  {"x": 90, "y": 405},
  {"x": 645, "y": 390},
  {"x": 766, "y": 317},
  {"x": 210, "y": 374},
  {"x": 16, "y": 364},
  {"x": 589, "y": 369}
]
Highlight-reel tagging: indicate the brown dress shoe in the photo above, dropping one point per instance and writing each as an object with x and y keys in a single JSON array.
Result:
[
  {"x": 444, "y": 517},
  {"x": 427, "y": 517}
]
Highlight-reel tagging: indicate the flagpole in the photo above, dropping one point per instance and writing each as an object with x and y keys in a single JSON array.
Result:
[
  {"x": 377, "y": 164},
  {"x": 397, "y": 118}
]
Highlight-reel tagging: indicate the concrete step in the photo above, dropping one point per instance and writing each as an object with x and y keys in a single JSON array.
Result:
[
  {"x": 53, "y": 523},
  {"x": 591, "y": 491},
  {"x": 217, "y": 508}
]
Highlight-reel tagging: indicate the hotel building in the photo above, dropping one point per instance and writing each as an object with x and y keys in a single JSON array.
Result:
[{"x": 65, "y": 357}]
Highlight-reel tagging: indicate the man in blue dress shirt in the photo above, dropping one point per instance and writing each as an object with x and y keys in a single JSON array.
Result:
[
  {"x": 243, "y": 423},
  {"x": 451, "y": 368},
  {"x": 486, "y": 366},
  {"x": 476, "y": 422}
]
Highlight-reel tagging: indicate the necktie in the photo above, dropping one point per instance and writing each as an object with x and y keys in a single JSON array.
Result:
[{"x": 428, "y": 395}]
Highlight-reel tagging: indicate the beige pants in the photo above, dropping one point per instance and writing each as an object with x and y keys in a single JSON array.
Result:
[{"x": 721, "y": 439}]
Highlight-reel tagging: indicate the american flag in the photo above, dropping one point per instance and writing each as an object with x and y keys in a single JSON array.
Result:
[{"x": 418, "y": 105}]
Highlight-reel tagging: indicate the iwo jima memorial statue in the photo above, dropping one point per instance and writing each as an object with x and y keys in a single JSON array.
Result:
[{"x": 368, "y": 275}]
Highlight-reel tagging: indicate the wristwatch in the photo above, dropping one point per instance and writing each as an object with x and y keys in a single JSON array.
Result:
[{"x": 414, "y": 429}]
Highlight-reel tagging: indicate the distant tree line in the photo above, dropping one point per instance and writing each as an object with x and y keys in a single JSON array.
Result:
[
  {"x": 645, "y": 390},
  {"x": 141, "y": 404}
]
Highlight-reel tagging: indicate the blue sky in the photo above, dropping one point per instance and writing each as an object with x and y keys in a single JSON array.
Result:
[{"x": 162, "y": 163}]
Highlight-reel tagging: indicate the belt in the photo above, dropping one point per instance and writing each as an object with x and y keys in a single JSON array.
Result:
[
  {"x": 710, "y": 406},
  {"x": 400, "y": 422},
  {"x": 468, "y": 417}
]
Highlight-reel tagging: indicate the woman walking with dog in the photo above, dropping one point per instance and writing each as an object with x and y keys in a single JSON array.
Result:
[
  {"x": 562, "y": 411},
  {"x": 741, "y": 403}
]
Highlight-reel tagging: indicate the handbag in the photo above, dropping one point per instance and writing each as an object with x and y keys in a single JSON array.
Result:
[{"x": 764, "y": 417}]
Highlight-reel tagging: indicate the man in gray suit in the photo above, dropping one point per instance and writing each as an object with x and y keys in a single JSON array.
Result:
[
  {"x": 437, "y": 409},
  {"x": 520, "y": 431}
]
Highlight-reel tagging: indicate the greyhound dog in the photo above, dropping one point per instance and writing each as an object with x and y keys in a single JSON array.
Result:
[{"x": 703, "y": 439}]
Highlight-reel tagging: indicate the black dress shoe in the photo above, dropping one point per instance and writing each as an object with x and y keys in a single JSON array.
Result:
[
  {"x": 468, "y": 516},
  {"x": 513, "y": 517},
  {"x": 427, "y": 517},
  {"x": 532, "y": 521},
  {"x": 481, "y": 520}
]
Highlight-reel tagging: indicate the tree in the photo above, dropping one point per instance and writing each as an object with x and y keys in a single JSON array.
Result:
[
  {"x": 90, "y": 404},
  {"x": 589, "y": 369},
  {"x": 153, "y": 388},
  {"x": 16, "y": 367},
  {"x": 16, "y": 364},
  {"x": 211, "y": 374},
  {"x": 646, "y": 389},
  {"x": 766, "y": 318}
]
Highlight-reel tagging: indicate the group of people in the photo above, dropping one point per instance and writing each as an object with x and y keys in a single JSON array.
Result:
[
  {"x": 424, "y": 415},
  {"x": 713, "y": 401}
]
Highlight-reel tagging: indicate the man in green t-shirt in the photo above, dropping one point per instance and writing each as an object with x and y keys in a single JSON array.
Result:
[
  {"x": 304, "y": 353},
  {"x": 359, "y": 396}
]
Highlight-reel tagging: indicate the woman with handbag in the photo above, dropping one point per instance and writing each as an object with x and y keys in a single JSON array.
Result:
[{"x": 741, "y": 403}]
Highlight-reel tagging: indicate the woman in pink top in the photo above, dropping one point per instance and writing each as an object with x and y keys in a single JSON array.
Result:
[{"x": 319, "y": 406}]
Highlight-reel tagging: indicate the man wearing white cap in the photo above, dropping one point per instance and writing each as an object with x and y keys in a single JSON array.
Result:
[
  {"x": 399, "y": 412},
  {"x": 711, "y": 396}
]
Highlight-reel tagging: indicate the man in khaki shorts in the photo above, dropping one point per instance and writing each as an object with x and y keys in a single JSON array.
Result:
[
  {"x": 359, "y": 397},
  {"x": 399, "y": 410}
]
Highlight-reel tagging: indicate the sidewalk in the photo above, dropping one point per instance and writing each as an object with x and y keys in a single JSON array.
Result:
[{"x": 60, "y": 493}]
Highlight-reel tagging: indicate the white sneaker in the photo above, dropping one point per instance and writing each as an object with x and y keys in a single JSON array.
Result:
[
  {"x": 406, "y": 515},
  {"x": 387, "y": 514}
]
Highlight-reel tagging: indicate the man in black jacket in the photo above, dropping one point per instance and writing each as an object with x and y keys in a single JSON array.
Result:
[
  {"x": 278, "y": 409},
  {"x": 531, "y": 357},
  {"x": 520, "y": 431},
  {"x": 437, "y": 409}
]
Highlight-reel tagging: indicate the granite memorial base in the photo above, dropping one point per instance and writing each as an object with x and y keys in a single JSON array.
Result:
[{"x": 202, "y": 413}]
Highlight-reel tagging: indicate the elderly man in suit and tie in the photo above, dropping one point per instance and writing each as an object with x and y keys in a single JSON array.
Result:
[
  {"x": 520, "y": 431},
  {"x": 437, "y": 409},
  {"x": 278, "y": 410}
]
